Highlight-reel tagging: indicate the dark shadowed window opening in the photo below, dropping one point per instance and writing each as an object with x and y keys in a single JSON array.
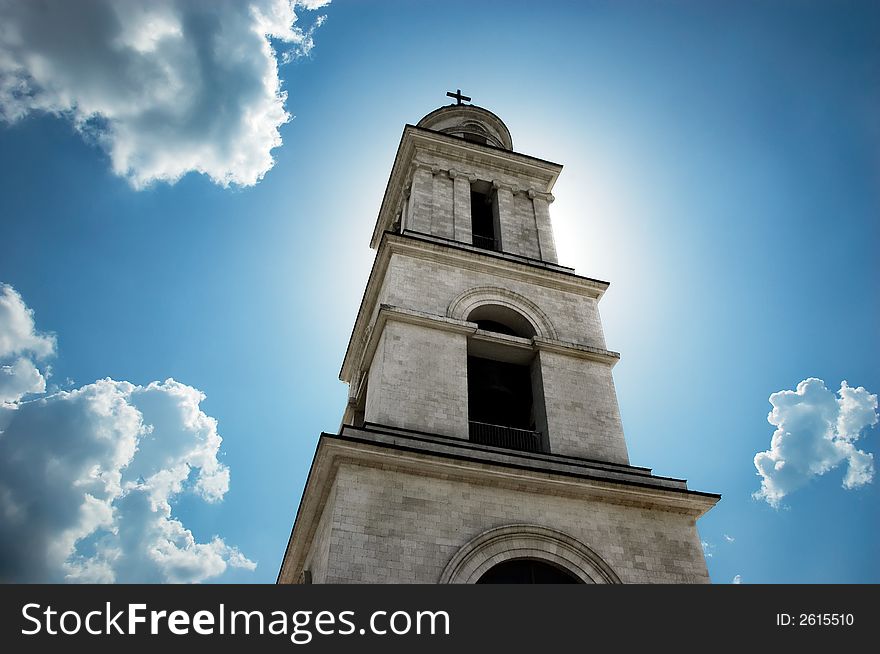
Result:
[
  {"x": 505, "y": 387},
  {"x": 484, "y": 216},
  {"x": 474, "y": 138},
  {"x": 527, "y": 571},
  {"x": 492, "y": 326},
  {"x": 499, "y": 393},
  {"x": 501, "y": 319}
]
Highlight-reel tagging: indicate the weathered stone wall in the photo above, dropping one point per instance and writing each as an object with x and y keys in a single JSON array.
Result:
[
  {"x": 430, "y": 286},
  {"x": 583, "y": 418},
  {"x": 393, "y": 527},
  {"x": 418, "y": 375},
  {"x": 418, "y": 380},
  {"x": 439, "y": 204},
  {"x": 317, "y": 560}
]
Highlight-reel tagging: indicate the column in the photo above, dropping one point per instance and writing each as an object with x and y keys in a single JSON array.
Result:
[
  {"x": 442, "y": 217},
  {"x": 421, "y": 202},
  {"x": 461, "y": 207},
  {"x": 541, "y": 202},
  {"x": 529, "y": 245},
  {"x": 506, "y": 226}
]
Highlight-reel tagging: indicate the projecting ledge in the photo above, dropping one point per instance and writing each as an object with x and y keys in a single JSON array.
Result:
[
  {"x": 577, "y": 350},
  {"x": 486, "y": 343},
  {"x": 439, "y": 454},
  {"x": 389, "y": 313}
]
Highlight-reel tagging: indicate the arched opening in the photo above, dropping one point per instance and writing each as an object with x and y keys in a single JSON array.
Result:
[
  {"x": 485, "y": 221},
  {"x": 458, "y": 120},
  {"x": 474, "y": 138},
  {"x": 478, "y": 302},
  {"x": 505, "y": 393},
  {"x": 501, "y": 319},
  {"x": 526, "y": 542},
  {"x": 500, "y": 394},
  {"x": 527, "y": 571}
]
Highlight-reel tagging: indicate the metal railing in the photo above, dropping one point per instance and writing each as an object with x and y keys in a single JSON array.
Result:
[
  {"x": 503, "y": 436},
  {"x": 485, "y": 242}
]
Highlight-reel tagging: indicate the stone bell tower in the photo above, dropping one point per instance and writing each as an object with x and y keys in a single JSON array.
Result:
[{"x": 482, "y": 440}]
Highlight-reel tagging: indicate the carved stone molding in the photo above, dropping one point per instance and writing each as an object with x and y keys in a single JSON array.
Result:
[
  {"x": 472, "y": 298},
  {"x": 523, "y": 541}
]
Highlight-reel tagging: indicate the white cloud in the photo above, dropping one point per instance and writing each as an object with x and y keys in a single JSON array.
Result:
[
  {"x": 88, "y": 476},
  {"x": 18, "y": 379},
  {"x": 815, "y": 432},
  {"x": 707, "y": 548},
  {"x": 165, "y": 87},
  {"x": 737, "y": 579},
  {"x": 20, "y": 345},
  {"x": 313, "y": 4},
  {"x": 729, "y": 539},
  {"x": 18, "y": 334}
]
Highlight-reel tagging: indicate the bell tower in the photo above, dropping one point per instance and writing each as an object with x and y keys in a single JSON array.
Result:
[{"x": 482, "y": 440}]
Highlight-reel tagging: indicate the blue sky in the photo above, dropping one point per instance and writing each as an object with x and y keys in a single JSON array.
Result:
[{"x": 722, "y": 171}]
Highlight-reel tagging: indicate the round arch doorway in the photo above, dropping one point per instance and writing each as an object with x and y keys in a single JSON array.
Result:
[{"x": 527, "y": 571}]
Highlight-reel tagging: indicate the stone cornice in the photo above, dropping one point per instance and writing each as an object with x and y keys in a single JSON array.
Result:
[
  {"x": 458, "y": 256},
  {"x": 544, "y": 173},
  {"x": 450, "y": 458},
  {"x": 389, "y": 313},
  {"x": 470, "y": 257},
  {"x": 453, "y": 173},
  {"x": 577, "y": 350},
  {"x": 549, "y": 198}
]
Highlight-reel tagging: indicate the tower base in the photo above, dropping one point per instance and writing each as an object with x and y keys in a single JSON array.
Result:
[{"x": 385, "y": 505}]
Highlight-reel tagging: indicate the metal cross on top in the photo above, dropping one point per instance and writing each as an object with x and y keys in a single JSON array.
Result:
[{"x": 458, "y": 96}]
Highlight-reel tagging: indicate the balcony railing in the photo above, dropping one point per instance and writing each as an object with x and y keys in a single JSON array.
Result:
[
  {"x": 502, "y": 436},
  {"x": 485, "y": 242}
]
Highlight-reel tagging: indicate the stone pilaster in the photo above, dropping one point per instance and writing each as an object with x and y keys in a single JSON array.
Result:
[
  {"x": 528, "y": 245},
  {"x": 442, "y": 219},
  {"x": 506, "y": 218},
  {"x": 541, "y": 202},
  {"x": 404, "y": 208},
  {"x": 421, "y": 201},
  {"x": 461, "y": 207}
]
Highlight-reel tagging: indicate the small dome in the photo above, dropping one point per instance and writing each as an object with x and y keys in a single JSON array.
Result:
[{"x": 471, "y": 123}]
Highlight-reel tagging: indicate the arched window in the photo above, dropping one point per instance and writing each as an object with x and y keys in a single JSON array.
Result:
[
  {"x": 485, "y": 221},
  {"x": 471, "y": 303},
  {"x": 527, "y": 571},
  {"x": 505, "y": 395},
  {"x": 501, "y": 319},
  {"x": 474, "y": 138},
  {"x": 515, "y": 543}
]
